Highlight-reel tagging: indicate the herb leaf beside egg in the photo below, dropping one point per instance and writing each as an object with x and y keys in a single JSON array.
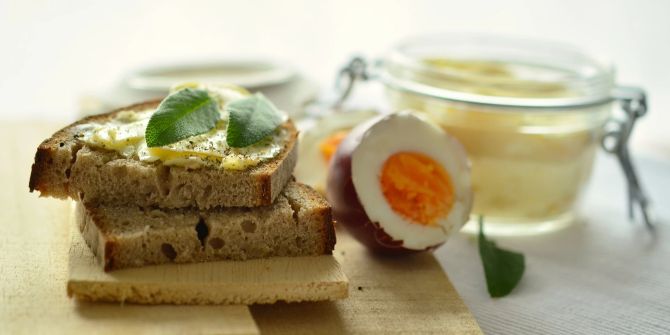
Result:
[
  {"x": 250, "y": 120},
  {"x": 183, "y": 114},
  {"x": 503, "y": 269}
]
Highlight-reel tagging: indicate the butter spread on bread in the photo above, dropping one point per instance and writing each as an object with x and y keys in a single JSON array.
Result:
[{"x": 124, "y": 133}]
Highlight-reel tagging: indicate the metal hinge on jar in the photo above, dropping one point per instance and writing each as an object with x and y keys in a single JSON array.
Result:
[
  {"x": 633, "y": 102},
  {"x": 356, "y": 70}
]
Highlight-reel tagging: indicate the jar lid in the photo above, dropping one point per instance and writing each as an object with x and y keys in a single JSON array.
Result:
[{"x": 498, "y": 71}]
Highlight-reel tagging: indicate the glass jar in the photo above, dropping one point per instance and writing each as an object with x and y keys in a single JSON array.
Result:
[{"x": 530, "y": 114}]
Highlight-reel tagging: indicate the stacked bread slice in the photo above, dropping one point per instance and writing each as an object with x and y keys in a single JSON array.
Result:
[{"x": 134, "y": 213}]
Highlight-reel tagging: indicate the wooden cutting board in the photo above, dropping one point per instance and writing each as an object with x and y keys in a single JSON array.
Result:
[{"x": 387, "y": 295}]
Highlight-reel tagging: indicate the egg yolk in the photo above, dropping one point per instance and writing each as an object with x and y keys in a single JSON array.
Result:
[
  {"x": 330, "y": 144},
  {"x": 417, "y": 187}
]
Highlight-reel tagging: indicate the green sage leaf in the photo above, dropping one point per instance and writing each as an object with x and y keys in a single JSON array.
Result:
[
  {"x": 183, "y": 114},
  {"x": 251, "y": 120}
]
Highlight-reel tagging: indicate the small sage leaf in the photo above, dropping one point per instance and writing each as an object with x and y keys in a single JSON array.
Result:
[
  {"x": 250, "y": 120},
  {"x": 503, "y": 269}
]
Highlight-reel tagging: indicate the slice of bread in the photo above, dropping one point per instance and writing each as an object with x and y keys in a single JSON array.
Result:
[
  {"x": 298, "y": 223},
  {"x": 66, "y": 167}
]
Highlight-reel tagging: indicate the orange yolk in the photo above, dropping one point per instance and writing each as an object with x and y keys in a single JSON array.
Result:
[
  {"x": 330, "y": 144},
  {"x": 417, "y": 187}
]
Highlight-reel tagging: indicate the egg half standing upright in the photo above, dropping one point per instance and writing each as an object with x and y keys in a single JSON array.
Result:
[{"x": 400, "y": 184}]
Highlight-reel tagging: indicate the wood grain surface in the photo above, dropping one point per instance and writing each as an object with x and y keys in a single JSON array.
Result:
[
  {"x": 387, "y": 295},
  {"x": 401, "y": 295}
]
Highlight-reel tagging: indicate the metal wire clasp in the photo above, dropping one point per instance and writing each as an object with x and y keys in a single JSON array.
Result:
[
  {"x": 355, "y": 70},
  {"x": 633, "y": 102}
]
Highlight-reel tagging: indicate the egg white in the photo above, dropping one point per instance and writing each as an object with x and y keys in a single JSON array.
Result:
[{"x": 407, "y": 132}]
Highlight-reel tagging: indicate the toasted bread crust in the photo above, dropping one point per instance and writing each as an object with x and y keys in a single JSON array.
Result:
[
  {"x": 56, "y": 173},
  {"x": 329, "y": 233},
  {"x": 110, "y": 250},
  {"x": 41, "y": 164}
]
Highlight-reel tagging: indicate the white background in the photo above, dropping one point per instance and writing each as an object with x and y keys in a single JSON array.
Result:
[{"x": 54, "y": 51}]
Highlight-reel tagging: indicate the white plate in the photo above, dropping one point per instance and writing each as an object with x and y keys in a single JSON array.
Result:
[{"x": 250, "y": 74}]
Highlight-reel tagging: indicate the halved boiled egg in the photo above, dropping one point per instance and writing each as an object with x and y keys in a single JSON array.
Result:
[{"x": 400, "y": 183}]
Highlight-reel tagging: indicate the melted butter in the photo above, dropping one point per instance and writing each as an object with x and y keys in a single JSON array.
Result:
[{"x": 125, "y": 135}]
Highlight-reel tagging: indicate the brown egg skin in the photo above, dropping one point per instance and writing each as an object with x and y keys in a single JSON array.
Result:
[{"x": 347, "y": 208}]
